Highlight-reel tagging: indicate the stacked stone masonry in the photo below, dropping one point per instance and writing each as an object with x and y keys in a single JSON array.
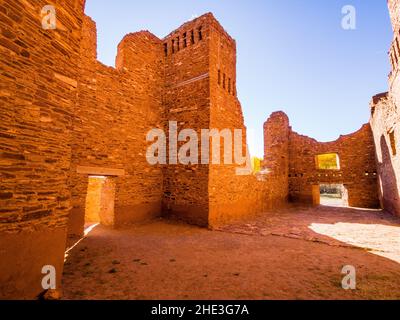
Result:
[
  {"x": 356, "y": 171},
  {"x": 115, "y": 110},
  {"x": 385, "y": 121},
  {"x": 66, "y": 117},
  {"x": 38, "y": 95}
]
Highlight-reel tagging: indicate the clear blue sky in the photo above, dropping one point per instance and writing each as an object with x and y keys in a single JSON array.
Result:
[{"x": 293, "y": 55}]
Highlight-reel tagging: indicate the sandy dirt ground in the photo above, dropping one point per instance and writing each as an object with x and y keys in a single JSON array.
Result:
[{"x": 297, "y": 253}]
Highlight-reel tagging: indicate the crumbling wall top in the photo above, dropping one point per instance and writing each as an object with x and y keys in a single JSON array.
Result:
[{"x": 207, "y": 18}]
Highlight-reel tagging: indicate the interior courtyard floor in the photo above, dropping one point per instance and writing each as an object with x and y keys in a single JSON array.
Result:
[{"x": 293, "y": 253}]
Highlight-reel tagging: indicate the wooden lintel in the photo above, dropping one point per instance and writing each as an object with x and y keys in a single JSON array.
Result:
[{"x": 99, "y": 171}]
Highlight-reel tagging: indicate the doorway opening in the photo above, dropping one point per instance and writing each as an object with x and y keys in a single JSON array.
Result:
[
  {"x": 333, "y": 195},
  {"x": 100, "y": 198}
]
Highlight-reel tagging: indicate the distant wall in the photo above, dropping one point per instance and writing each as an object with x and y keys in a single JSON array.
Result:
[
  {"x": 276, "y": 149},
  {"x": 357, "y": 170}
]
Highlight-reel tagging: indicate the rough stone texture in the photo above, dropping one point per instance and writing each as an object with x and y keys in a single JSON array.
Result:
[
  {"x": 200, "y": 93},
  {"x": 276, "y": 149},
  {"x": 385, "y": 119},
  {"x": 187, "y": 101},
  {"x": 394, "y": 53},
  {"x": 357, "y": 170},
  {"x": 394, "y": 10},
  {"x": 290, "y": 160},
  {"x": 116, "y": 108},
  {"x": 62, "y": 110},
  {"x": 38, "y": 94},
  {"x": 233, "y": 196},
  {"x": 158, "y": 81}
]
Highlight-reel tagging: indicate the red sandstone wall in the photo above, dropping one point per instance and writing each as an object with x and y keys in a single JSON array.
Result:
[
  {"x": 384, "y": 119},
  {"x": 186, "y": 100},
  {"x": 276, "y": 148},
  {"x": 101, "y": 115},
  {"x": 394, "y": 10},
  {"x": 357, "y": 167},
  {"x": 38, "y": 91},
  {"x": 116, "y": 109},
  {"x": 186, "y": 74},
  {"x": 233, "y": 196},
  {"x": 394, "y": 52}
]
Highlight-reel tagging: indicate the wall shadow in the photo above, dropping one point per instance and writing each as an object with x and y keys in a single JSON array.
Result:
[{"x": 388, "y": 183}]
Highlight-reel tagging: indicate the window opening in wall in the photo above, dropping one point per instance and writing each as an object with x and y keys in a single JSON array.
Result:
[
  {"x": 333, "y": 195},
  {"x": 185, "y": 40},
  {"x": 372, "y": 110},
  {"x": 229, "y": 85},
  {"x": 223, "y": 81},
  {"x": 173, "y": 46},
  {"x": 178, "y": 43},
  {"x": 392, "y": 142},
  {"x": 166, "y": 49},
  {"x": 328, "y": 161},
  {"x": 200, "y": 34},
  {"x": 192, "y": 37}
]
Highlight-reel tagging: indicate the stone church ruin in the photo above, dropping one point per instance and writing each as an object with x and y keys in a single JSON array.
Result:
[{"x": 73, "y": 138}]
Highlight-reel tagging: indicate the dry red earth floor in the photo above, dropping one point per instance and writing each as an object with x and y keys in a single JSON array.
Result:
[{"x": 296, "y": 253}]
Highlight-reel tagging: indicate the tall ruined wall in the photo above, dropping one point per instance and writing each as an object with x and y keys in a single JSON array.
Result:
[
  {"x": 394, "y": 52},
  {"x": 357, "y": 167},
  {"x": 394, "y": 10},
  {"x": 233, "y": 196},
  {"x": 38, "y": 92},
  {"x": 116, "y": 108},
  {"x": 384, "y": 120},
  {"x": 186, "y": 102},
  {"x": 276, "y": 147}
]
